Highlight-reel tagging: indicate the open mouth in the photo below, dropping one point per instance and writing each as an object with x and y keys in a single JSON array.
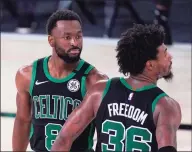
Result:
[{"x": 75, "y": 51}]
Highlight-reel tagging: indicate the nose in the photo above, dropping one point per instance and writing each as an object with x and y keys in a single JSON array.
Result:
[
  {"x": 74, "y": 42},
  {"x": 170, "y": 56}
]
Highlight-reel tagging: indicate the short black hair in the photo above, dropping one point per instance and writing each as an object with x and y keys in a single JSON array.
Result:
[
  {"x": 136, "y": 46},
  {"x": 61, "y": 15}
]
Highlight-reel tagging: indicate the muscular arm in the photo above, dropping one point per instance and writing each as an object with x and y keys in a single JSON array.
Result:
[
  {"x": 20, "y": 137},
  {"x": 93, "y": 77},
  {"x": 168, "y": 114},
  {"x": 79, "y": 118}
]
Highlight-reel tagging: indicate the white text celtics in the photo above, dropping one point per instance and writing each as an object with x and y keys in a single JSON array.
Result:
[{"x": 128, "y": 111}]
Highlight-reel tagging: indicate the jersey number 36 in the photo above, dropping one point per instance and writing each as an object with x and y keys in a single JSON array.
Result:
[{"x": 130, "y": 135}]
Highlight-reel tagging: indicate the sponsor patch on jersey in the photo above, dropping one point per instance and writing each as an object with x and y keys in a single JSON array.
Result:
[{"x": 73, "y": 85}]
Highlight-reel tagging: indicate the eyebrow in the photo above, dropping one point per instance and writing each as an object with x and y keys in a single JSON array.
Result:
[{"x": 68, "y": 33}]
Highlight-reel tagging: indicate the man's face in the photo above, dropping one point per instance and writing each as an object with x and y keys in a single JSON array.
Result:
[
  {"x": 164, "y": 63},
  {"x": 67, "y": 40}
]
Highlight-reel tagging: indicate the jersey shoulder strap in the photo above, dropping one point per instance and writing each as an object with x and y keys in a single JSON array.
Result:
[
  {"x": 83, "y": 68},
  {"x": 35, "y": 67},
  {"x": 83, "y": 73},
  {"x": 110, "y": 84},
  {"x": 159, "y": 94}
]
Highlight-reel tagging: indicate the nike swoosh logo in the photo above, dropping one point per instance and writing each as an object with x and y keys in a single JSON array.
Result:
[{"x": 38, "y": 83}]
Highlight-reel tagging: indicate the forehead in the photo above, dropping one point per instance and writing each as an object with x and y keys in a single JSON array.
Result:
[{"x": 65, "y": 26}]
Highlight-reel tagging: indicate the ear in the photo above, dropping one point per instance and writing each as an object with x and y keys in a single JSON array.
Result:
[
  {"x": 150, "y": 65},
  {"x": 51, "y": 40}
]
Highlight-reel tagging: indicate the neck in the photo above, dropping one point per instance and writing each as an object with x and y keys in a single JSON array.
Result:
[
  {"x": 143, "y": 78},
  {"x": 58, "y": 68}
]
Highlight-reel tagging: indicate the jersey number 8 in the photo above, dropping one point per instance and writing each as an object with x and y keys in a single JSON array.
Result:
[{"x": 51, "y": 132}]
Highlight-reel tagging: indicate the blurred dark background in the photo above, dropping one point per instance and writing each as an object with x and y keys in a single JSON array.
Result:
[{"x": 180, "y": 20}]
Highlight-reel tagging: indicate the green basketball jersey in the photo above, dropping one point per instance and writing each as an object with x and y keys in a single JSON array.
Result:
[
  {"x": 52, "y": 102},
  {"x": 124, "y": 121}
]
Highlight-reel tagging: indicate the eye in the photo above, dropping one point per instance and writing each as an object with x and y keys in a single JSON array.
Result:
[
  {"x": 67, "y": 37},
  {"x": 165, "y": 52},
  {"x": 78, "y": 37}
]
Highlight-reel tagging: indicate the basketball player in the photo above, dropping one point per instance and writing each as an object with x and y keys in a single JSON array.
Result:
[
  {"x": 131, "y": 114},
  {"x": 50, "y": 88}
]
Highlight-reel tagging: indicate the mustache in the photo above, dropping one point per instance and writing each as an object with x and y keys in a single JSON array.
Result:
[{"x": 75, "y": 47}]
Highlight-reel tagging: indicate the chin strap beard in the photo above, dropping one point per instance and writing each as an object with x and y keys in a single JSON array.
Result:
[
  {"x": 65, "y": 57},
  {"x": 69, "y": 60}
]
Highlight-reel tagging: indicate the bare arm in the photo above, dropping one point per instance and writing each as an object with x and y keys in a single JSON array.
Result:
[
  {"x": 20, "y": 137},
  {"x": 79, "y": 118},
  {"x": 95, "y": 76},
  {"x": 168, "y": 121}
]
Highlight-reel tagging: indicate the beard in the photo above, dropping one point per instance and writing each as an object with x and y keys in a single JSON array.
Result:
[
  {"x": 66, "y": 57},
  {"x": 168, "y": 77}
]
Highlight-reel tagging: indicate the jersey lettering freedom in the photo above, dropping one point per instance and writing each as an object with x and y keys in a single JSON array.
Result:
[{"x": 124, "y": 120}]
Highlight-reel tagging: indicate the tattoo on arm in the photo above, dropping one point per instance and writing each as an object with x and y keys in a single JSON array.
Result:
[
  {"x": 168, "y": 122},
  {"x": 159, "y": 136},
  {"x": 166, "y": 134}
]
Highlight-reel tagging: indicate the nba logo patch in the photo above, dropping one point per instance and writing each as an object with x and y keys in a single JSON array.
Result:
[
  {"x": 130, "y": 96},
  {"x": 73, "y": 85}
]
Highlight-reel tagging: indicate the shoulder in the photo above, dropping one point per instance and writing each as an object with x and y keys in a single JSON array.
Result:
[
  {"x": 94, "y": 73},
  {"x": 99, "y": 86},
  {"x": 95, "y": 76},
  {"x": 168, "y": 103},
  {"x": 95, "y": 94},
  {"x": 24, "y": 72},
  {"x": 170, "y": 108},
  {"x": 97, "y": 89},
  {"x": 23, "y": 77}
]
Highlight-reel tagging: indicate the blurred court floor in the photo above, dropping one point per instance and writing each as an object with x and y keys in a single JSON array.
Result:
[{"x": 19, "y": 50}]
